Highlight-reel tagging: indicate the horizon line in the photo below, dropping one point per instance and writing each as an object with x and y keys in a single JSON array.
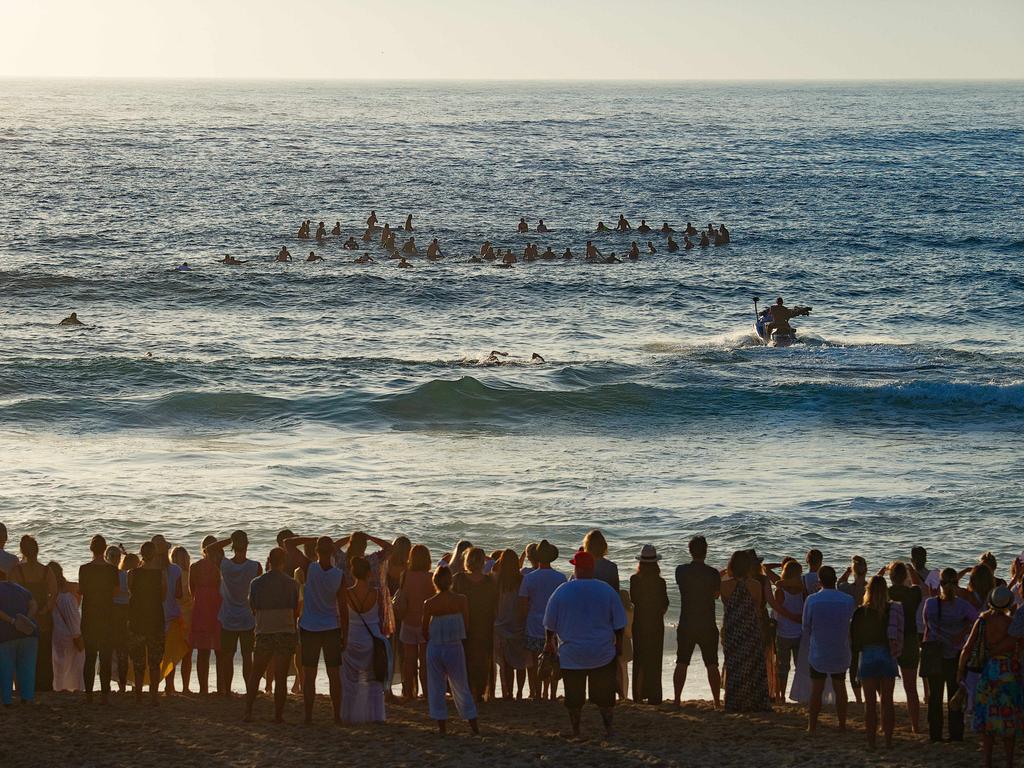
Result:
[{"x": 312, "y": 79}]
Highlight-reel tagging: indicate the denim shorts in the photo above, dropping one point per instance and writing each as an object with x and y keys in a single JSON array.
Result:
[{"x": 876, "y": 661}]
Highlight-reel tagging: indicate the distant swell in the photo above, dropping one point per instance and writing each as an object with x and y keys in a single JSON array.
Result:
[{"x": 467, "y": 403}]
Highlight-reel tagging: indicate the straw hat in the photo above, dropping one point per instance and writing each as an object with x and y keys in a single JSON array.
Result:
[
  {"x": 648, "y": 554},
  {"x": 1000, "y": 598}
]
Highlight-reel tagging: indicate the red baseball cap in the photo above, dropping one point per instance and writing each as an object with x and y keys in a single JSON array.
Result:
[{"x": 582, "y": 559}]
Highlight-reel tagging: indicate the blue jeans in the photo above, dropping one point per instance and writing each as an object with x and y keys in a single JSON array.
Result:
[{"x": 18, "y": 662}]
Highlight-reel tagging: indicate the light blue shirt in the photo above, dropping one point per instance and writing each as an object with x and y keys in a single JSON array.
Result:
[
  {"x": 538, "y": 586},
  {"x": 585, "y": 614},
  {"x": 826, "y": 622},
  {"x": 235, "y": 614}
]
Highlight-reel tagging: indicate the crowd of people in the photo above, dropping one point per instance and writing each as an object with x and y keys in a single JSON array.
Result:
[
  {"x": 385, "y": 238},
  {"x": 382, "y": 614}
]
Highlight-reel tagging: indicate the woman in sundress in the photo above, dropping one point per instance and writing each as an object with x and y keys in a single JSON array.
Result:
[
  {"x": 998, "y": 696},
  {"x": 362, "y": 694},
  {"x": 746, "y": 678}
]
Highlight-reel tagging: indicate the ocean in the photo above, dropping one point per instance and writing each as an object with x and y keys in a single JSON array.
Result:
[{"x": 330, "y": 397}]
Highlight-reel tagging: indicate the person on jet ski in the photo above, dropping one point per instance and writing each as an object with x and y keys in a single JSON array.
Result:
[{"x": 777, "y": 317}]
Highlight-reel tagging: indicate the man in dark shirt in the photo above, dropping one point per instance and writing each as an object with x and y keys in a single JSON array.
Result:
[
  {"x": 274, "y": 599},
  {"x": 98, "y": 583},
  {"x": 699, "y": 586}
]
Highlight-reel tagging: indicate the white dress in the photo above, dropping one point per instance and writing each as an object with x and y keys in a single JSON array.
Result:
[
  {"x": 68, "y": 661},
  {"x": 362, "y": 697},
  {"x": 800, "y": 690}
]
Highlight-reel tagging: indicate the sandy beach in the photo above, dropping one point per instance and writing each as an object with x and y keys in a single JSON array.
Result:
[{"x": 209, "y": 732}]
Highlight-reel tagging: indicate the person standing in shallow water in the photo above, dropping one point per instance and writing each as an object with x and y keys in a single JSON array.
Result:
[
  {"x": 649, "y": 595},
  {"x": 586, "y": 620},
  {"x": 699, "y": 587}
]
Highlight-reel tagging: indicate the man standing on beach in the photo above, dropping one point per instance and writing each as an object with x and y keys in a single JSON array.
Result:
[
  {"x": 534, "y": 591},
  {"x": 98, "y": 582},
  {"x": 699, "y": 586},
  {"x": 587, "y": 619},
  {"x": 323, "y": 600},
  {"x": 274, "y": 599},
  {"x": 237, "y": 623},
  {"x": 826, "y": 622}
]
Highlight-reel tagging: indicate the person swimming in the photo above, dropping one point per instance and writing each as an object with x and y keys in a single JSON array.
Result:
[
  {"x": 351, "y": 244},
  {"x": 371, "y": 220},
  {"x": 183, "y": 267},
  {"x": 364, "y": 259},
  {"x": 672, "y": 245},
  {"x": 623, "y": 225},
  {"x": 71, "y": 319},
  {"x": 410, "y": 247},
  {"x": 690, "y": 229},
  {"x": 403, "y": 264},
  {"x": 666, "y": 229},
  {"x": 408, "y": 223},
  {"x": 687, "y": 242},
  {"x": 601, "y": 227},
  {"x": 523, "y": 226},
  {"x": 643, "y": 229},
  {"x": 313, "y": 257},
  {"x": 651, "y": 248},
  {"x": 567, "y": 254},
  {"x": 434, "y": 250},
  {"x": 542, "y": 227},
  {"x": 231, "y": 261},
  {"x": 549, "y": 254},
  {"x": 634, "y": 250},
  {"x": 336, "y": 232},
  {"x": 283, "y": 254}
]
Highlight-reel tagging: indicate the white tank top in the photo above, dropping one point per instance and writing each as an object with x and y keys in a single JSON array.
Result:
[{"x": 320, "y": 599}]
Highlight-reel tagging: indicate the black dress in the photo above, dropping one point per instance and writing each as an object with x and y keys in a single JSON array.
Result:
[
  {"x": 483, "y": 606},
  {"x": 649, "y": 596}
]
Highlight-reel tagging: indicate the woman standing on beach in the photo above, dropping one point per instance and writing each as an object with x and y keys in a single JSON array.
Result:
[
  {"x": 746, "y": 678},
  {"x": 147, "y": 586},
  {"x": 398, "y": 561},
  {"x": 68, "y": 646},
  {"x": 876, "y": 634},
  {"x": 649, "y": 595},
  {"x": 604, "y": 569},
  {"x": 362, "y": 694},
  {"x": 910, "y": 597},
  {"x": 415, "y": 589},
  {"x": 180, "y": 559},
  {"x": 119, "y": 617},
  {"x": 204, "y": 587},
  {"x": 41, "y": 582},
  {"x": 18, "y": 641},
  {"x": 999, "y": 697},
  {"x": 788, "y": 608},
  {"x": 509, "y": 626},
  {"x": 445, "y": 617},
  {"x": 947, "y": 619},
  {"x": 481, "y": 593}
]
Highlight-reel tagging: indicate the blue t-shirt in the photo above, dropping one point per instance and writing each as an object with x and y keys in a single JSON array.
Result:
[
  {"x": 585, "y": 614},
  {"x": 14, "y": 599},
  {"x": 538, "y": 586}
]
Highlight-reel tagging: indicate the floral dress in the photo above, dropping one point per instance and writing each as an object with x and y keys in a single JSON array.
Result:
[{"x": 999, "y": 698}]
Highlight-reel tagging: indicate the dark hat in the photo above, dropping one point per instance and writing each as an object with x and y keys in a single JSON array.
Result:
[{"x": 546, "y": 552}]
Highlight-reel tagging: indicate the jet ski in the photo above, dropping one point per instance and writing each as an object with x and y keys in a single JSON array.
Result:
[{"x": 777, "y": 338}]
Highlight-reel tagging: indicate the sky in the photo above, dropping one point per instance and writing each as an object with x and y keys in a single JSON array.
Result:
[{"x": 514, "y": 39}]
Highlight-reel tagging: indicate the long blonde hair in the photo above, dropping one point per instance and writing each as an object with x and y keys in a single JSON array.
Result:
[{"x": 876, "y": 596}]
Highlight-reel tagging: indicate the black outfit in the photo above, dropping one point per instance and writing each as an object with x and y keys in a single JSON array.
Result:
[
  {"x": 910, "y": 598},
  {"x": 602, "y": 682},
  {"x": 936, "y": 684},
  {"x": 483, "y": 606},
  {"x": 649, "y": 595},
  {"x": 146, "y": 620},
  {"x": 699, "y": 585},
  {"x": 98, "y": 582}
]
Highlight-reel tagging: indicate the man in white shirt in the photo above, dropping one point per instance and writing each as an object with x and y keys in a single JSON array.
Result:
[
  {"x": 586, "y": 618},
  {"x": 826, "y": 622}
]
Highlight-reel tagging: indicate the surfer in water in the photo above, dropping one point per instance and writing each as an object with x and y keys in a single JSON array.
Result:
[
  {"x": 623, "y": 225},
  {"x": 336, "y": 232},
  {"x": 371, "y": 220},
  {"x": 523, "y": 226},
  {"x": 408, "y": 223},
  {"x": 183, "y": 267},
  {"x": 690, "y": 229},
  {"x": 410, "y": 247},
  {"x": 351, "y": 244},
  {"x": 666, "y": 229},
  {"x": 364, "y": 259},
  {"x": 497, "y": 357},
  {"x": 592, "y": 251},
  {"x": 778, "y": 315},
  {"x": 434, "y": 250},
  {"x": 403, "y": 264},
  {"x": 672, "y": 245},
  {"x": 644, "y": 228},
  {"x": 70, "y": 320},
  {"x": 283, "y": 255},
  {"x": 313, "y": 257},
  {"x": 601, "y": 227},
  {"x": 231, "y": 261},
  {"x": 567, "y": 254},
  {"x": 542, "y": 227}
]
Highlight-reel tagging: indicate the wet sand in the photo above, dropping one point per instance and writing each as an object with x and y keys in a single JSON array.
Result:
[{"x": 188, "y": 730}]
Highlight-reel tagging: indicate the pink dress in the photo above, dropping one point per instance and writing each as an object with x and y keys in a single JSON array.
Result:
[{"x": 204, "y": 577}]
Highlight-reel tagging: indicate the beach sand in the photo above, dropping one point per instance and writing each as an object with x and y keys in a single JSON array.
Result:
[{"x": 189, "y": 730}]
